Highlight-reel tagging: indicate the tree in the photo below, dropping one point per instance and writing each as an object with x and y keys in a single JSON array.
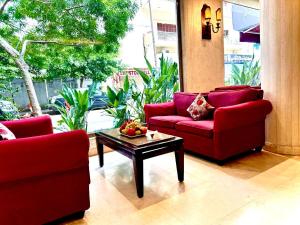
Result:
[
  {"x": 29, "y": 27},
  {"x": 8, "y": 71}
]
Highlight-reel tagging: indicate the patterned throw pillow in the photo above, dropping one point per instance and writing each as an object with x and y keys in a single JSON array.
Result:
[
  {"x": 5, "y": 133},
  {"x": 200, "y": 109}
]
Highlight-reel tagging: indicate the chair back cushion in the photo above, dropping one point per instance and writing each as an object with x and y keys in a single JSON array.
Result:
[
  {"x": 5, "y": 133},
  {"x": 182, "y": 101},
  {"x": 234, "y": 97}
]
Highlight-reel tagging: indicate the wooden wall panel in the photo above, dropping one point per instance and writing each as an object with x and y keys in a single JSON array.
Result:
[
  {"x": 203, "y": 60},
  {"x": 280, "y": 38}
]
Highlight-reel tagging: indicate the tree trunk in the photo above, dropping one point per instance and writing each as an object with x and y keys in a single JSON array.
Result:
[
  {"x": 27, "y": 76},
  {"x": 152, "y": 33},
  {"x": 81, "y": 82}
]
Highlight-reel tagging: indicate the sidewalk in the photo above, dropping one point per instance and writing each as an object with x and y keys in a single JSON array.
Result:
[{"x": 97, "y": 119}]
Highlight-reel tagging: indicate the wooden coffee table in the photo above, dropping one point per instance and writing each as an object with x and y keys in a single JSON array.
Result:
[{"x": 138, "y": 149}]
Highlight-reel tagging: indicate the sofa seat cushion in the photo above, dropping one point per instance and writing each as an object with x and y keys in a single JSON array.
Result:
[
  {"x": 202, "y": 128},
  {"x": 168, "y": 121}
]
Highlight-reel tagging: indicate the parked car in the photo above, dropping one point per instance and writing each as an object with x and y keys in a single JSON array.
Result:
[{"x": 99, "y": 101}]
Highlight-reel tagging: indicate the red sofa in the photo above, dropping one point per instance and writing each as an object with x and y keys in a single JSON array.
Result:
[
  {"x": 236, "y": 126},
  {"x": 44, "y": 176}
]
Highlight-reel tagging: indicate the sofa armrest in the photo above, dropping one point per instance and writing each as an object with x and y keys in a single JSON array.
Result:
[
  {"x": 43, "y": 155},
  {"x": 159, "y": 109},
  {"x": 30, "y": 127},
  {"x": 240, "y": 115}
]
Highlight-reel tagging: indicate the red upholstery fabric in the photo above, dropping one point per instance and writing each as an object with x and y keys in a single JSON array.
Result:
[
  {"x": 5, "y": 133},
  {"x": 161, "y": 109},
  {"x": 227, "y": 98},
  {"x": 183, "y": 101},
  {"x": 165, "y": 130},
  {"x": 238, "y": 124},
  {"x": 34, "y": 126},
  {"x": 241, "y": 115},
  {"x": 168, "y": 121},
  {"x": 43, "y": 155},
  {"x": 232, "y": 87},
  {"x": 202, "y": 128},
  {"x": 43, "y": 178},
  {"x": 232, "y": 142},
  {"x": 197, "y": 144}
]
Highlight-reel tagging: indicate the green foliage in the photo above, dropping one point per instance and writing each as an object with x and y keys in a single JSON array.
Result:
[
  {"x": 9, "y": 116},
  {"x": 128, "y": 102},
  {"x": 158, "y": 87},
  {"x": 74, "y": 115},
  {"x": 8, "y": 111},
  {"x": 102, "y": 22},
  {"x": 162, "y": 83},
  {"x": 249, "y": 74},
  {"x": 117, "y": 103},
  {"x": 8, "y": 71}
]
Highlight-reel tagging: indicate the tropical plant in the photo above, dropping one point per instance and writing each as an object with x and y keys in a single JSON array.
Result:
[
  {"x": 249, "y": 74},
  {"x": 162, "y": 82},
  {"x": 118, "y": 107},
  {"x": 158, "y": 87},
  {"x": 77, "y": 103}
]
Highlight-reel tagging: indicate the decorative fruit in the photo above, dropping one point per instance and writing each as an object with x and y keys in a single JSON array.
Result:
[
  {"x": 144, "y": 130},
  {"x": 132, "y": 128},
  {"x": 138, "y": 132},
  {"x": 131, "y": 132}
]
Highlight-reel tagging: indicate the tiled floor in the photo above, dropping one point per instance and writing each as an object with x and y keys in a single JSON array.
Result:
[{"x": 257, "y": 189}]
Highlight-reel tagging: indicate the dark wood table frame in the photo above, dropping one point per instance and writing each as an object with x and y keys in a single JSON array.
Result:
[{"x": 140, "y": 153}]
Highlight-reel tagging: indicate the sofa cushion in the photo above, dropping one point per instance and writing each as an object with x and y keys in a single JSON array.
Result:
[
  {"x": 167, "y": 121},
  {"x": 200, "y": 109},
  {"x": 5, "y": 133},
  {"x": 228, "y": 98},
  {"x": 183, "y": 101},
  {"x": 202, "y": 128}
]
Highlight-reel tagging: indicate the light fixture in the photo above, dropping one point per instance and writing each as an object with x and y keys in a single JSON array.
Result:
[{"x": 207, "y": 26}]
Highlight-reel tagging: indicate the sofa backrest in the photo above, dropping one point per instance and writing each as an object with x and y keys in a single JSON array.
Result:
[
  {"x": 232, "y": 87},
  {"x": 233, "y": 97},
  {"x": 182, "y": 101}
]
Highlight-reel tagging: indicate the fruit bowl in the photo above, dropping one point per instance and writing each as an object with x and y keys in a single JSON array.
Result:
[{"x": 132, "y": 129}]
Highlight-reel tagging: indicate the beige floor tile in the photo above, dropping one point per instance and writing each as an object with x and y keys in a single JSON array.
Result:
[{"x": 260, "y": 188}]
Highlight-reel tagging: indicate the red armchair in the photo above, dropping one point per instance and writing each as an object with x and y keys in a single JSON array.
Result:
[
  {"x": 44, "y": 176},
  {"x": 237, "y": 125}
]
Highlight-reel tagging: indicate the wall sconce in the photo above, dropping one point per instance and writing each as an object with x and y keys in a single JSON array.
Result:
[{"x": 207, "y": 26}]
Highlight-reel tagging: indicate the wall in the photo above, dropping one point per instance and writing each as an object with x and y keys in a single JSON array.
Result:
[
  {"x": 203, "y": 60},
  {"x": 53, "y": 88},
  {"x": 280, "y": 42}
]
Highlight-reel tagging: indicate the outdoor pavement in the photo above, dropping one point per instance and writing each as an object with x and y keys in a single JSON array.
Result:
[{"x": 97, "y": 119}]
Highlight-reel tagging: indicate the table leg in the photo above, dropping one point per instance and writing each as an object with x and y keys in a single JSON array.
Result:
[
  {"x": 179, "y": 156},
  {"x": 100, "y": 153},
  {"x": 139, "y": 175}
]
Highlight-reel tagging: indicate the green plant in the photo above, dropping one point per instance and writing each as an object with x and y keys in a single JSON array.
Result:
[
  {"x": 8, "y": 111},
  {"x": 162, "y": 82},
  {"x": 117, "y": 103},
  {"x": 74, "y": 114},
  {"x": 158, "y": 87},
  {"x": 63, "y": 38},
  {"x": 249, "y": 74},
  {"x": 9, "y": 116}
]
